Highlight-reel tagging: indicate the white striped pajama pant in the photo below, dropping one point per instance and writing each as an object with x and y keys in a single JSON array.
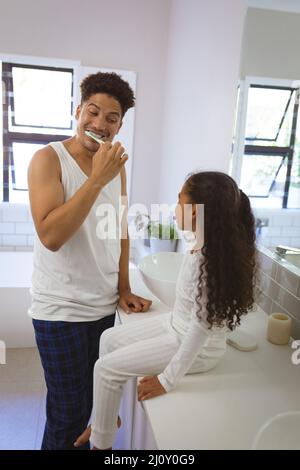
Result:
[{"x": 137, "y": 349}]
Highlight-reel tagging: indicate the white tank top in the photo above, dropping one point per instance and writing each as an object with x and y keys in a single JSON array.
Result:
[{"x": 79, "y": 282}]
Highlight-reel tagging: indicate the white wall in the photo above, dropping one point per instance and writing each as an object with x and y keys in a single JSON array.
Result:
[
  {"x": 123, "y": 34},
  {"x": 200, "y": 94},
  {"x": 271, "y": 44}
]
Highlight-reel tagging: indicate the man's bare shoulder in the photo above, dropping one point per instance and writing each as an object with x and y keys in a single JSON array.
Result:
[{"x": 45, "y": 160}]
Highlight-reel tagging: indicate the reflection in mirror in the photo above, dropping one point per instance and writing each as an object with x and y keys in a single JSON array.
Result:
[
  {"x": 266, "y": 143},
  {"x": 269, "y": 143}
]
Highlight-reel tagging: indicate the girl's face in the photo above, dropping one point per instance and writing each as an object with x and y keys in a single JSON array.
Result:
[{"x": 185, "y": 212}]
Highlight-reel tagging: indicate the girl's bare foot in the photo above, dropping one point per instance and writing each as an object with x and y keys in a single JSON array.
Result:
[{"x": 85, "y": 436}]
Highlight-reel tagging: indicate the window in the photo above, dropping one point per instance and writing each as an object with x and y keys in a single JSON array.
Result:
[
  {"x": 38, "y": 98},
  {"x": 37, "y": 109},
  {"x": 266, "y": 159}
]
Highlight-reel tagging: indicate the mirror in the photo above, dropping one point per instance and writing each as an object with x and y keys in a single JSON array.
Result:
[{"x": 266, "y": 144}]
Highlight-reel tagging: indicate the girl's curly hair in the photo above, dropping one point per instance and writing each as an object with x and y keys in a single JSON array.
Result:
[
  {"x": 229, "y": 251},
  {"x": 110, "y": 83}
]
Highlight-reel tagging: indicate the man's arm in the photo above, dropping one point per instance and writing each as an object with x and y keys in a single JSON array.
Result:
[
  {"x": 55, "y": 220},
  {"x": 128, "y": 301},
  {"x": 124, "y": 284}
]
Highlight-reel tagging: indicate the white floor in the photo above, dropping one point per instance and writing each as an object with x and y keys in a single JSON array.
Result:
[{"x": 22, "y": 400}]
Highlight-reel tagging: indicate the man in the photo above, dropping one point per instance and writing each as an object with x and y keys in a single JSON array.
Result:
[{"x": 79, "y": 276}]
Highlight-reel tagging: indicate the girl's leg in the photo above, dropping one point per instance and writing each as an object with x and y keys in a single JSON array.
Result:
[
  {"x": 123, "y": 335},
  {"x": 133, "y": 358}
]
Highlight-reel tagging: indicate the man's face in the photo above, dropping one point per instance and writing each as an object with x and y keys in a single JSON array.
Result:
[{"x": 101, "y": 114}]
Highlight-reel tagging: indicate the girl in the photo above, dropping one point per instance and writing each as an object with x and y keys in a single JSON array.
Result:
[{"x": 215, "y": 288}]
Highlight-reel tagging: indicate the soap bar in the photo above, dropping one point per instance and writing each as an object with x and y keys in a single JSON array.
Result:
[{"x": 242, "y": 341}]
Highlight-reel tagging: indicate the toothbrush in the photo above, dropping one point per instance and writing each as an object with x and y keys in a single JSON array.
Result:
[{"x": 94, "y": 136}]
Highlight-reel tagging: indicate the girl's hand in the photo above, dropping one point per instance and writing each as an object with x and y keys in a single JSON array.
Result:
[{"x": 149, "y": 387}]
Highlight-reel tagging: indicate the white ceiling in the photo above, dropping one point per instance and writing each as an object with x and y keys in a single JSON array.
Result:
[{"x": 281, "y": 5}]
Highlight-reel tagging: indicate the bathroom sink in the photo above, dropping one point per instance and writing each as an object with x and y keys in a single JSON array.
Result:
[
  {"x": 281, "y": 432},
  {"x": 160, "y": 272}
]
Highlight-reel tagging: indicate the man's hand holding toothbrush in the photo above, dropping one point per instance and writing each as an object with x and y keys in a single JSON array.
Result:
[{"x": 107, "y": 163}]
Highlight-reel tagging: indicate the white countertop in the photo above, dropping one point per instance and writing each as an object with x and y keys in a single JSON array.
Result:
[{"x": 225, "y": 407}]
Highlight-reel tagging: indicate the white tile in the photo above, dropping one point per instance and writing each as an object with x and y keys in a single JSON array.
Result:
[
  {"x": 267, "y": 266},
  {"x": 290, "y": 302},
  {"x": 29, "y": 216},
  {"x": 264, "y": 232},
  {"x": 25, "y": 228},
  {"x": 295, "y": 242},
  {"x": 14, "y": 240},
  {"x": 276, "y": 308},
  {"x": 260, "y": 212},
  {"x": 290, "y": 231},
  {"x": 265, "y": 241},
  {"x": 280, "y": 241},
  {"x": 30, "y": 240},
  {"x": 287, "y": 279},
  {"x": 281, "y": 219},
  {"x": 22, "y": 364},
  {"x": 7, "y": 227},
  {"x": 264, "y": 302},
  {"x": 14, "y": 212},
  {"x": 22, "y": 392},
  {"x": 19, "y": 409},
  {"x": 274, "y": 231},
  {"x": 23, "y": 248},
  {"x": 296, "y": 220}
]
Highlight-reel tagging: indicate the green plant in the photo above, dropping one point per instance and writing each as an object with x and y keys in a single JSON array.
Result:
[
  {"x": 155, "y": 229},
  {"x": 162, "y": 231}
]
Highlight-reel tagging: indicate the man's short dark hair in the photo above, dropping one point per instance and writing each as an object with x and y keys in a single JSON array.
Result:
[{"x": 110, "y": 83}]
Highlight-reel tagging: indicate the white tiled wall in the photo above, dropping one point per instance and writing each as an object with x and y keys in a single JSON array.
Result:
[
  {"x": 16, "y": 227},
  {"x": 283, "y": 229}
]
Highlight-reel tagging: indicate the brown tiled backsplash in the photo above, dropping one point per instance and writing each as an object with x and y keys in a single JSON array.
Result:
[
  {"x": 267, "y": 265},
  {"x": 278, "y": 290},
  {"x": 287, "y": 279}
]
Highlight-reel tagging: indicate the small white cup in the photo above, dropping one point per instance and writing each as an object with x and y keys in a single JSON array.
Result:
[{"x": 279, "y": 328}]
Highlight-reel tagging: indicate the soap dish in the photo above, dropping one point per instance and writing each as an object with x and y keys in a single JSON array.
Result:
[{"x": 242, "y": 341}]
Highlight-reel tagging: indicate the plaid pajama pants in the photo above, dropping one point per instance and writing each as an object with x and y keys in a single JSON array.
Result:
[{"x": 68, "y": 352}]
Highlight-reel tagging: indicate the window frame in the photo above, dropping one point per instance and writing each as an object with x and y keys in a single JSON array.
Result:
[
  {"x": 240, "y": 148},
  {"x": 9, "y": 137}
]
